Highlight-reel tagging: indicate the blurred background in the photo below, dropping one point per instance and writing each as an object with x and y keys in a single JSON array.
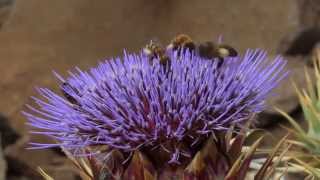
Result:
[{"x": 38, "y": 36}]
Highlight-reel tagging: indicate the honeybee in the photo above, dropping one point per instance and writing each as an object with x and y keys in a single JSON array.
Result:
[
  {"x": 212, "y": 50},
  {"x": 182, "y": 42},
  {"x": 208, "y": 49},
  {"x": 154, "y": 50}
]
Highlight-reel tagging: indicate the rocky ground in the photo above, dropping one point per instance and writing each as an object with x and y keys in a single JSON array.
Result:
[{"x": 38, "y": 36}]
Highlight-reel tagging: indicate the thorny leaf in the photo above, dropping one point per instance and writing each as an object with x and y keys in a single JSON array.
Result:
[
  {"x": 140, "y": 168},
  {"x": 242, "y": 164},
  {"x": 196, "y": 169},
  {"x": 81, "y": 163},
  {"x": 44, "y": 174},
  {"x": 263, "y": 170}
]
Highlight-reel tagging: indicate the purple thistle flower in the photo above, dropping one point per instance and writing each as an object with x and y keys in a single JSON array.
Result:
[{"x": 131, "y": 103}]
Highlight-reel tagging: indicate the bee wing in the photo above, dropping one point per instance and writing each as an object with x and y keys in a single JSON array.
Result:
[
  {"x": 220, "y": 39},
  {"x": 155, "y": 41}
]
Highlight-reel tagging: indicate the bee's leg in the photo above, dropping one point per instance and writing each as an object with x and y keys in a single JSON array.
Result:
[
  {"x": 189, "y": 46},
  {"x": 166, "y": 63},
  {"x": 219, "y": 62}
]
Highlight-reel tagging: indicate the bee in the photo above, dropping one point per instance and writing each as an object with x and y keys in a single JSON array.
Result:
[
  {"x": 210, "y": 50},
  {"x": 182, "y": 42},
  {"x": 207, "y": 49},
  {"x": 156, "y": 51}
]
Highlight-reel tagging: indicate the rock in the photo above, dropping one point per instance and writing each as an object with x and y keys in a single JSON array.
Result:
[
  {"x": 309, "y": 13},
  {"x": 302, "y": 39},
  {"x": 7, "y": 134},
  {"x": 299, "y": 42},
  {"x": 58, "y": 151},
  {"x": 295, "y": 176},
  {"x": 19, "y": 169},
  {"x": 5, "y": 10},
  {"x": 3, "y": 166}
]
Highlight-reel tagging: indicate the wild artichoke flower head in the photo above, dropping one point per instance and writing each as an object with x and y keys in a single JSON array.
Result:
[{"x": 130, "y": 103}]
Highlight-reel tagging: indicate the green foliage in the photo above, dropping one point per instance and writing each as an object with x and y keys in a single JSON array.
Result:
[{"x": 306, "y": 154}]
